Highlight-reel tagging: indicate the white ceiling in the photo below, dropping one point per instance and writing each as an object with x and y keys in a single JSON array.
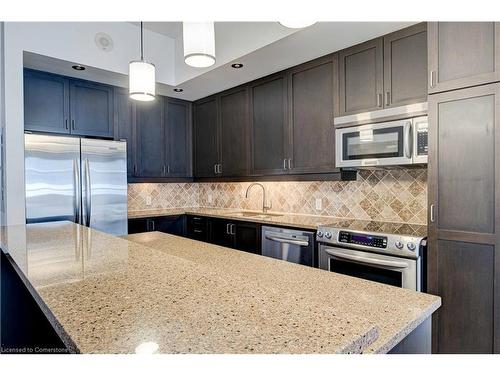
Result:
[{"x": 263, "y": 47}]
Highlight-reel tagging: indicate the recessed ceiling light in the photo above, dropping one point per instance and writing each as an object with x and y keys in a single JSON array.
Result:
[
  {"x": 78, "y": 67},
  {"x": 237, "y": 65},
  {"x": 178, "y": 89}
]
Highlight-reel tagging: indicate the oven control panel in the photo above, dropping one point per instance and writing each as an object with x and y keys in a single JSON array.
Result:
[{"x": 363, "y": 239}]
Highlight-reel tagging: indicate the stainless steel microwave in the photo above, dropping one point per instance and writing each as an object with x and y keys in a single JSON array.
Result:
[{"x": 400, "y": 142}]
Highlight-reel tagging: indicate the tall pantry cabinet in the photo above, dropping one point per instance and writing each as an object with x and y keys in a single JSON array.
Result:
[{"x": 464, "y": 186}]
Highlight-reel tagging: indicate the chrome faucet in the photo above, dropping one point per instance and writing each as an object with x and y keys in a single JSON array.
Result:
[{"x": 264, "y": 206}]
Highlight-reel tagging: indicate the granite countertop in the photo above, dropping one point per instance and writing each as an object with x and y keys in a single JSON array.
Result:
[
  {"x": 395, "y": 312},
  {"x": 105, "y": 294},
  {"x": 289, "y": 220}
]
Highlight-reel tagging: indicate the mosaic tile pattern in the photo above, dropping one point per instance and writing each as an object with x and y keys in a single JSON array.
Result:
[
  {"x": 171, "y": 195},
  {"x": 396, "y": 195}
]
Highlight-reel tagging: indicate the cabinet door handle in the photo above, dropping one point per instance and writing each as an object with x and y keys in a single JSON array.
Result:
[
  {"x": 432, "y": 78},
  {"x": 215, "y": 168},
  {"x": 284, "y": 164},
  {"x": 227, "y": 228},
  {"x": 135, "y": 169},
  {"x": 164, "y": 169},
  {"x": 73, "y": 124},
  {"x": 379, "y": 100},
  {"x": 220, "y": 168},
  {"x": 66, "y": 123},
  {"x": 233, "y": 231},
  {"x": 431, "y": 209},
  {"x": 168, "y": 169},
  {"x": 290, "y": 164},
  {"x": 387, "y": 98}
]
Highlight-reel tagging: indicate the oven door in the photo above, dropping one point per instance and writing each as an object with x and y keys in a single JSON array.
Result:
[
  {"x": 388, "y": 143},
  {"x": 386, "y": 269}
]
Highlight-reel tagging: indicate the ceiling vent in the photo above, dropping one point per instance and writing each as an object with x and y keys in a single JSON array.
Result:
[{"x": 104, "y": 42}]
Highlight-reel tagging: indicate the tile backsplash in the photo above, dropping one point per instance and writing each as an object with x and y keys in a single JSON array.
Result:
[{"x": 396, "y": 195}]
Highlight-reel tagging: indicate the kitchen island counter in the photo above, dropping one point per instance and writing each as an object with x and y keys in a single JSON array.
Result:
[{"x": 105, "y": 294}]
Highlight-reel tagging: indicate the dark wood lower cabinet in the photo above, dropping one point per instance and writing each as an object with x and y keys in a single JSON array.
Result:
[
  {"x": 238, "y": 235},
  {"x": 24, "y": 328},
  {"x": 166, "y": 224},
  {"x": 197, "y": 228},
  {"x": 247, "y": 237},
  {"x": 466, "y": 287}
]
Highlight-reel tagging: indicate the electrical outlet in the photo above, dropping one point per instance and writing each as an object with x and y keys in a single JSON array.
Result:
[
  {"x": 319, "y": 204},
  {"x": 148, "y": 200},
  {"x": 210, "y": 198}
]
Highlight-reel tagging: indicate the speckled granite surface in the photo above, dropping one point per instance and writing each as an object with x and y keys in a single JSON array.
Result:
[
  {"x": 291, "y": 220},
  {"x": 109, "y": 295},
  {"x": 395, "y": 312}
]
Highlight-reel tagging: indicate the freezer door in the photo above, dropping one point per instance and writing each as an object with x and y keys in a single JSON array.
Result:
[
  {"x": 104, "y": 185},
  {"x": 52, "y": 178}
]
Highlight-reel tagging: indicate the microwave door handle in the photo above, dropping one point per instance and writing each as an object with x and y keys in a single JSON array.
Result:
[
  {"x": 406, "y": 140},
  {"x": 360, "y": 259},
  {"x": 288, "y": 241}
]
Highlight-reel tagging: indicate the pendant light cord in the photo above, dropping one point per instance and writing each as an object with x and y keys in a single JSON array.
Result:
[{"x": 142, "y": 48}]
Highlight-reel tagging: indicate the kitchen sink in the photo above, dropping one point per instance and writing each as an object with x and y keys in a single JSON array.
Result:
[{"x": 260, "y": 215}]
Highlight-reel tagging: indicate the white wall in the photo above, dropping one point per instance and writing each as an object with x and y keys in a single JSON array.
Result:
[{"x": 72, "y": 42}]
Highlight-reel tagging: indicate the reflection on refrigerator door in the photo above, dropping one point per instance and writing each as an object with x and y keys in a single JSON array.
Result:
[
  {"x": 51, "y": 173},
  {"x": 104, "y": 185}
]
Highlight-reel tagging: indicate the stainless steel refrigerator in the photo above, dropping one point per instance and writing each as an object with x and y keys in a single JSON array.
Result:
[{"x": 78, "y": 179}]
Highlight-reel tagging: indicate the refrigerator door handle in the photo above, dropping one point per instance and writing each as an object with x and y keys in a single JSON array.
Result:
[
  {"x": 77, "y": 197},
  {"x": 88, "y": 200}
]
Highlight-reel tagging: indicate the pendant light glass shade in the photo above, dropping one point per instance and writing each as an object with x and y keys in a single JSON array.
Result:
[
  {"x": 142, "y": 81},
  {"x": 199, "y": 43},
  {"x": 297, "y": 24},
  {"x": 142, "y": 78}
]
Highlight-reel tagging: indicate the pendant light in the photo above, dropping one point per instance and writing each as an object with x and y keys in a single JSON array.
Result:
[
  {"x": 142, "y": 80},
  {"x": 199, "y": 44}
]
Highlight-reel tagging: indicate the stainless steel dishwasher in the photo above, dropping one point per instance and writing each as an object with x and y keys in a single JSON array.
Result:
[{"x": 295, "y": 246}]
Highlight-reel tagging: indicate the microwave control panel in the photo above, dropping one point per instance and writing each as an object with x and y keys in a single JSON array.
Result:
[{"x": 421, "y": 129}]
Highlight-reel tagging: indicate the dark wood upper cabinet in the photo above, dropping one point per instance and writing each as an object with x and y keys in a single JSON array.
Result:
[
  {"x": 206, "y": 138},
  {"x": 125, "y": 126},
  {"x": 179, "y": 135},
  {"x": 151, "y": 146},
  {"x": 269, "y": 125},
  {"x": 58, "y": 104},
  {"x": 91, "y": 108},
  {"x": 464, "y": 218},
  {"x": 463, "y": 54},
  {"x": 361, "y": 79},
  {"x": 46, "y": 102},
  {"x": 405, "y": 66},
  {"x": 234, "y": 132},
  {"x": 311, "y": 98}
]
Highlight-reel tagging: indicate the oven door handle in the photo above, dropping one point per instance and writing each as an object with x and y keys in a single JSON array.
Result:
[
  {"x": 359, "y": 259},
  {"x": 286, "y": 240}
]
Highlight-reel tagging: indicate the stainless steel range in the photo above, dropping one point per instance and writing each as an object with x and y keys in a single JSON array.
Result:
[{"x": 394, "y": 259}]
